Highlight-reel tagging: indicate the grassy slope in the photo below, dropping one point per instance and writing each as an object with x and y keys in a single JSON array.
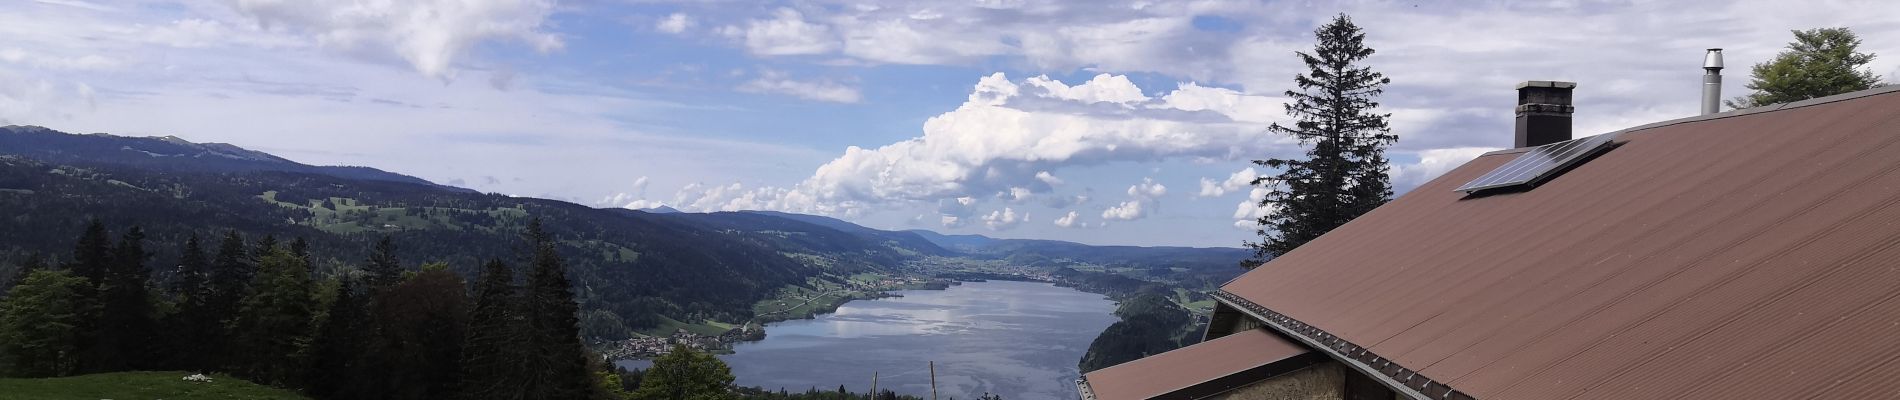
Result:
[{"x": 168, "y": 385}]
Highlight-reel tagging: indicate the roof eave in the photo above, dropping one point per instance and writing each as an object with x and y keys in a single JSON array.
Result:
[{"x": 1399, "y": 379}]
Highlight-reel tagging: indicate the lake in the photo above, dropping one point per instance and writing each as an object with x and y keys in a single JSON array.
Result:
[{"x": 1018, "y": 339}]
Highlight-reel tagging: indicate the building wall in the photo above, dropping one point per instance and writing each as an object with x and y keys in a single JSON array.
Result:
[{"x": 1323, "y": 381}]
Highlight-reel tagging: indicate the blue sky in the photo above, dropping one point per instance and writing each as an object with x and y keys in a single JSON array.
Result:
[{"x": 1108, "y": 122}]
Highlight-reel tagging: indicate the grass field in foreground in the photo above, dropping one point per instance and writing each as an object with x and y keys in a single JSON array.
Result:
[{"x": 143, "y": 385}]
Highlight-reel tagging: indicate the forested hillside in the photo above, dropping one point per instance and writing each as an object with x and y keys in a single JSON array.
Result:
[{"x": 629, "y": 267}]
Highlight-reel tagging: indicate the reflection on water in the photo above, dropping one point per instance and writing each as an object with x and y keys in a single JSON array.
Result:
[{"x": 1018, "y": 339}]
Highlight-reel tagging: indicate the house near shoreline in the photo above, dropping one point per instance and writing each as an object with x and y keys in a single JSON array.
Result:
[{"x": 1750, "y": 254}]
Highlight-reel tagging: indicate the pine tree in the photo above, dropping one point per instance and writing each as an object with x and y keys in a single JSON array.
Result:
[
  {"x": 491, "y": 357},
  {"x": 557, "y": 362},
  {"x": 340, "y": 346},
  {"x": 273, "y": 325},
  {"x": 1818, "y": 63},
  {"x": 384, "y": 269},
  {"x": 40, "y": 322},
  {"x": 1344, "y": 173}
]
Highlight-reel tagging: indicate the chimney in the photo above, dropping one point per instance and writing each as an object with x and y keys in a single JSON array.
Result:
[
  {"x": 1543, "y": 112},
  {"x": 1712, "y": 82}
]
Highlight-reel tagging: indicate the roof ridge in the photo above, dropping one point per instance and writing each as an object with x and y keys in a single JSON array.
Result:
[{"x": 1875, "y": 91}]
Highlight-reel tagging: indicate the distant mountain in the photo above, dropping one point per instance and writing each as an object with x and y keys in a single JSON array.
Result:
[
  {"x": 170, "y": 153},
  {"x": 905, "y": 239},
  {"x": 663, "y": 209},
  {"x": 963, "y": 243}
]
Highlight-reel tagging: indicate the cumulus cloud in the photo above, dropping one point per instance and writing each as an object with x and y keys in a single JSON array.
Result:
[
  {"x": 1144, "y": 200},
  {"x": 430, "y": 35},
  {"x": 1011, "y": 134},
  {"x": 1432, "y": 163},
  {"x": 1011, "y": 137},
  {"x": 777, "y": 82},
  {"x": 1126, "y": 211},
  {"x": 1048, "y": 178},
  {"x": 1004, "y": 219},
  {"x": 786, "y": 33},
  {"x": 1236, "y": 181},
  {"x": 676, "y": 23},
  {"x": 1247, "y": 214},
  {"x": 1073, "y": 220},
  {"x": 634, "y": 199}
]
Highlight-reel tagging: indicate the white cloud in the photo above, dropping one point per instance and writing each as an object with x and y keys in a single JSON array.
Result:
[
  {"x": 1432, "y": 163},
  {"x": 1236, "y": 181},
  {"x": 676, "y": 23},
  {"x": 1048, "y": 178},
  {"x": 1147, "y": 188},
  {"x": 430, "y": 35},
  {"x": 1005, "y": 219},
  {"x": 1126, "y": 211},
  {"x": 1013, "y": 135},
  {"x": 1247, "y": 214},
  {"x": 1073, "y": 220},
  {"x": 770, "y": 81},
  {"x": 18, "y": 56},
  {"x": 635, "y": 199},
  {"x": 1145, "y": 199},
  {"x": 786, "y": 33}
]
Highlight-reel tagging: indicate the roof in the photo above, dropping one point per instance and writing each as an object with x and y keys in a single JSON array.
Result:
[
  {"x": 1751, "y": 254},
  {"x": 1197, "y": 371}
]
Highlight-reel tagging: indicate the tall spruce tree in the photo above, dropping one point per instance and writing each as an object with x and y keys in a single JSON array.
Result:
[
  {"x": 384, "y": 270},
  {"x": 227, "y": 285},
  {"x": 1818, "y": 63},
  {"x": 273, "y": 326},
  {"x": 338, "y": 350},
  {"x": 195, "y": 322},
  {"x": 1344, "y": 173},
  {"x": 122, "y": 337},
  {"x": 491, "y": 357},
  {"x": 557, "y": 361},
  {"x": 423, "y": 320},
  {"x": 92, "y": 256}
]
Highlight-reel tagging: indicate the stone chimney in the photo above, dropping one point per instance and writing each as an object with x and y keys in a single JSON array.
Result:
[{"x": 1543, "y": 112}]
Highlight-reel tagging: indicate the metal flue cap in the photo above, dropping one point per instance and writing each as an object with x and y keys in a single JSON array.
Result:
[{"x": 1713, "y": 60}]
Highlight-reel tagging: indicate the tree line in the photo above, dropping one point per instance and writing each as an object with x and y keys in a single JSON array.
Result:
[{"x": 254, "y": 309}]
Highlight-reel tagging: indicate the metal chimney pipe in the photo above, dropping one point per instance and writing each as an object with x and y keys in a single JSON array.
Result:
[{"x": 1712, "y": 82}]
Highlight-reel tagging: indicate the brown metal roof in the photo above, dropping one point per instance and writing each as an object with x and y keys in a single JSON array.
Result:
[
  {"x": 1196, "y": 371},
  {"x": 1751, "y": 255}
]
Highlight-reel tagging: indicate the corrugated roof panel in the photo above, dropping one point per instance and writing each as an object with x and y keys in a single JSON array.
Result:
[{"x": 1642, "y": 266}]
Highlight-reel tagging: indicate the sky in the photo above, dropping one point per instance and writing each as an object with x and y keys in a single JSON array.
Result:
[{"x": 1096, "y": 121}]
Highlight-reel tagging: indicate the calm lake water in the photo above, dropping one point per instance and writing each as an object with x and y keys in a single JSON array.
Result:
[{"x": 1018, "y": 339}]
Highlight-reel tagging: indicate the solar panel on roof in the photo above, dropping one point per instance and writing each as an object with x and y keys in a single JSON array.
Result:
[{"x": 1539, "y": 163}]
